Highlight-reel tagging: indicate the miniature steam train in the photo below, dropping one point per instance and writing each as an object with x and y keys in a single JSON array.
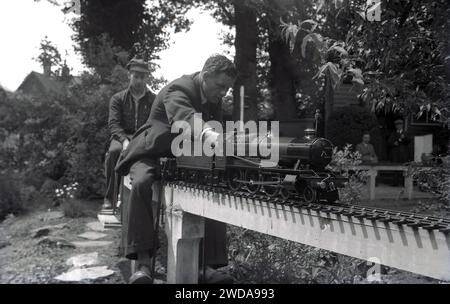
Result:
[{"x": 300, "y": 170}]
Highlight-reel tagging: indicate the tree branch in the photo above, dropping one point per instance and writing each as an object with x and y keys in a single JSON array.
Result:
[{"x": 226, "y": 12}]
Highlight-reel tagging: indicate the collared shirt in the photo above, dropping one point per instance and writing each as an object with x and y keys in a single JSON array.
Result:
[{"x": 126, "y": 115}]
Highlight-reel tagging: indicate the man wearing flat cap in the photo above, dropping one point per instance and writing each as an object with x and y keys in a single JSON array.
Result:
[
  {"x": 398, "y": 143},
  {"x": 128, "y": 111}
]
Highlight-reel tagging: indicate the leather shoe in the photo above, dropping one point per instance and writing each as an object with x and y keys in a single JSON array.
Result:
[
  {"x": 215, "y": 277},
  {"x": 140, "y": 277}
]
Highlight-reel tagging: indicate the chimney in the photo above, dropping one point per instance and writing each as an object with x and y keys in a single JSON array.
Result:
[
  {"x": 65, "y": 72},
  {"x": 47, "y": 68}
]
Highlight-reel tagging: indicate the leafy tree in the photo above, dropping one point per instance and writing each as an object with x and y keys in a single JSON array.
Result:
[
  {"x": 49, "y": 56},
  {"x": 275, "y": 70},
  {"x": 400, "y": 60},
  {"x": 121, "y": 24}
]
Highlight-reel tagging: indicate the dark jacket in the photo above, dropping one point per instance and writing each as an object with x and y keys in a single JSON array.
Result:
[
  {"x": 399, "y": 147},
  {"x": 368, "y": 154},
  {"x": 178, "y": 101},
  {"x": 124, "y": 120}
]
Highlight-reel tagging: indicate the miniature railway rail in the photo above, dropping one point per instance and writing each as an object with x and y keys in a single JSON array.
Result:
[
  {"x": 383, "y": 215},
  {"x": 404, "y": 240}
]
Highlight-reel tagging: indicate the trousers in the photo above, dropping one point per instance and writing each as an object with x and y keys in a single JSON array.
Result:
[
  {"x": 112, "y": 155},
  {"x": 138, "y": 229}
]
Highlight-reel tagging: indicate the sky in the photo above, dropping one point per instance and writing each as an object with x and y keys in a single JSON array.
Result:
[{"x": 24, "y": 23}]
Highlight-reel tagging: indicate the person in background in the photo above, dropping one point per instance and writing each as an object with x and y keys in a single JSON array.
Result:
[
  {"x": 365, "y": 148},
  {"x": 128, "y": 111},
  {"x": 399, "y": 153}
]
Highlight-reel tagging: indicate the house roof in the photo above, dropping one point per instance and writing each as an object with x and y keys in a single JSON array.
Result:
[{"x": 46, "y": 84}]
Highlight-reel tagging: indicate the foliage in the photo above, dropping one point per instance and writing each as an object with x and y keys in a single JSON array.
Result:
[
  {"x": 73, "y": 208},
  {"x": 65, "y": 197},
  {"x": 49, "y": 55},
  {"x": 355, "y": 121},
  {"x": 258, "y": 258},
  {"x": 343, "y": 162},
  {"x": 10, "y": 197},
  {"x": 63, "y": 138},
  {"x": 143, "y": 22},
  {"x": 67, "y": 191},
  {"x": 400, "y": 60},
  {"x": 435, "y": 179}
]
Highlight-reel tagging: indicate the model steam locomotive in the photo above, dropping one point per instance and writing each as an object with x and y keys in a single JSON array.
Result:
[{"x": 299, "y": 172}]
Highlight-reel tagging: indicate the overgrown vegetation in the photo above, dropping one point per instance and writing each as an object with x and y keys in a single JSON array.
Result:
[
  {"x": 399, "y": 53},
  {"x": 73, "y": 208},
  {"x": 343, "y": 163},
  {"x": 261, "y": 259},
  {"x": 436, "y": 179},
  {"x": 355, "y": 121},
  {"x": 60, "y": 138},
  {"x": 10, "y": 197}
]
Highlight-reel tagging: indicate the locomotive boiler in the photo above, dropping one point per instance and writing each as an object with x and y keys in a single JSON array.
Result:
[{"x": 298, "y": 171}]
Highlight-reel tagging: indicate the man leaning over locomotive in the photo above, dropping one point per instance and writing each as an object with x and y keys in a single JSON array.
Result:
[
  {"x": 128, "y": 111},
  {"x": 180, "y": 100}
]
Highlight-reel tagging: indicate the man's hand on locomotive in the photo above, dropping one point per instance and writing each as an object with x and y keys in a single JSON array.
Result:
[
  {"x": 210, "y": 137},
  {"x": 125, "y": 144}
]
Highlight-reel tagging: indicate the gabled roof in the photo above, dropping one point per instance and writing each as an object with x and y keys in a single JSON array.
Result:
[{"x": 37, "y": 81}]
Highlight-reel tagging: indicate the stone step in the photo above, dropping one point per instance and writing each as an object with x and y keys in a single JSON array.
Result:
[{"x": 109, "y": 221}]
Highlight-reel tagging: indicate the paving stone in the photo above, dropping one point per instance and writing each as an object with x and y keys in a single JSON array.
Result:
[
  {"x": 80, "y": 274},
  {"x": 96, "y": 226},
  {"x": 92, "y": 235},
  {"x": 86, "y": 244},
  {"x": 86, "y": 259}
]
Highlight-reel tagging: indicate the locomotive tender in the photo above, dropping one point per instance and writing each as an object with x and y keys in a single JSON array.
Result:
[{"x": 300, "y": 171}]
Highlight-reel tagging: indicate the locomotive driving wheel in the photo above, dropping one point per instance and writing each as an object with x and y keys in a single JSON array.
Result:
[
  {"x": 309, "y": 194},
  {"x": 252, "y": 176},
  {"x": 182, "y": 175},
  {"x": 193, "y": 176},
  {"x": 231, "y": 180},
  {"x": 271, "y": 190},
  {"x": 285, "y": 193}
]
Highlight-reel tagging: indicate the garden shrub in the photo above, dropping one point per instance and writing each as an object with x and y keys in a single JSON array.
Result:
[
  {"x": 258, "y": 258},
  {"x": 348, "y": 124},
  {"x": 61, "y": 138},
  {"x": 10, "y": 197},
  {"x": 73, "y": 209},
  {"x": 343, "y": 163}
]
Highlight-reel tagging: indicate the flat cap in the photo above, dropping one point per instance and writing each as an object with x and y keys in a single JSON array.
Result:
[
  {"x": 138, "y": 65},
  {"x": 398, "y": 121}
]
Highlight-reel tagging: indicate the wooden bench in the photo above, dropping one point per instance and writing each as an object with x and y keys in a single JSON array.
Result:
[{"x": 375, "y": 168}]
